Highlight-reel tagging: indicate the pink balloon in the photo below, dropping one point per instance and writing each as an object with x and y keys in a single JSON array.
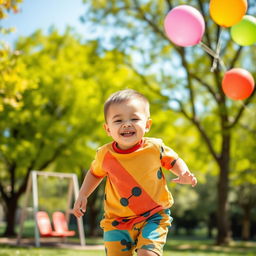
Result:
[{"x": 184, "y": 25}]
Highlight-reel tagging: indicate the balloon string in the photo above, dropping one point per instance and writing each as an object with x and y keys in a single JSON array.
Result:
[
  {"x": 215, "y": 61},
  {"x": 208, "y": 50},
  {"x": 213, "y": 54},
  {"x": 222, "y": 64}
]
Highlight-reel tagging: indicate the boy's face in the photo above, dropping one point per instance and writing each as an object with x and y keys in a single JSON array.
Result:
[{"x": 127, "y": 122}]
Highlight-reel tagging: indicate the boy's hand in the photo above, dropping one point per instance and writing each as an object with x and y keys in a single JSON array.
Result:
[
  {"x": 187, "y": 178},
  {"x": 79, "y": 208}
]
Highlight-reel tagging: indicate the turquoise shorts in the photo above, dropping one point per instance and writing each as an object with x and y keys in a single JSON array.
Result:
[{"x": 150, "y": 235}]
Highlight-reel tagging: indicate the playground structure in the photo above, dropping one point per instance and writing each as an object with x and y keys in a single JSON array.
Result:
[{"x": 43, "y": 226}]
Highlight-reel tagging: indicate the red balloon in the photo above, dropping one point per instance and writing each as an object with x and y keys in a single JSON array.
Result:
[{"x": 238, "y": 84}]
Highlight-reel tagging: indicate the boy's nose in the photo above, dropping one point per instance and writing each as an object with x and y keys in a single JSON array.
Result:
[{"x": 127, "y": 124}]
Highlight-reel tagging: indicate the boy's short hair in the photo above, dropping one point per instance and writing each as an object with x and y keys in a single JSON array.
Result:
[{"x": 122, "y": 96}]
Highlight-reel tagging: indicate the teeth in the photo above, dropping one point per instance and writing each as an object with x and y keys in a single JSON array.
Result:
[{"x": 127, "y": 133}]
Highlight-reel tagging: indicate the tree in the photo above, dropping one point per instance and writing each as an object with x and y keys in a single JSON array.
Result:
[
  {"x": 136, "y": 28},
  {"x": 59, "y": 114},
  {"x": 11, "y": 84}
]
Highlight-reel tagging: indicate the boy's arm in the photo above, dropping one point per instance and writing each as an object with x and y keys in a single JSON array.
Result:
[
  {"x": 90, "y": 183},
  {"x": 184, "y": 175}
]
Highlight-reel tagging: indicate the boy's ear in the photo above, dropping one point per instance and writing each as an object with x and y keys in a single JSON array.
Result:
[
  {"x": 105, "y": 126},
  {"x": 148, "y": 125}
]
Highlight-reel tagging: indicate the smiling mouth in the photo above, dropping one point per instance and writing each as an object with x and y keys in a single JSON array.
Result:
[{"x": 127, "y": 134}]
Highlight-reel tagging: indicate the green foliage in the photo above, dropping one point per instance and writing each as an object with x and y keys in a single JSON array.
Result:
[
  {"x": 14, "y": 79},
  {"x": 61, "y": 112},
  {"x": 52, "y": 194},
  {"x": 8, "y": 5},
  {"x": 183, "y": 74}
]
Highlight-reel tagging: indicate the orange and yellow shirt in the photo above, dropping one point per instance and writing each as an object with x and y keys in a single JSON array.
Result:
[{"x": 135, "y": 187}]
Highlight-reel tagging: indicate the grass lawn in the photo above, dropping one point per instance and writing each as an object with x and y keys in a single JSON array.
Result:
[
  {"x": 174, "y": 247},
  {"x": 195, "y": 247}
]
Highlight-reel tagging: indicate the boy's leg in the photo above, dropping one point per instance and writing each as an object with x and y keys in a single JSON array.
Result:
[
  {"x": 143, "y": 252},
  {"x": 153, "y": 234},
  {"x": 118, "y": 243}
]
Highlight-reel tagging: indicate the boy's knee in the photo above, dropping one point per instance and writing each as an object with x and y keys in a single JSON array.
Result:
[{"x": 143, "y": 252}]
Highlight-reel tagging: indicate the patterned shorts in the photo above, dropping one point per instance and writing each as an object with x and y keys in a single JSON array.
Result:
[{"x": 149, "y": 235}]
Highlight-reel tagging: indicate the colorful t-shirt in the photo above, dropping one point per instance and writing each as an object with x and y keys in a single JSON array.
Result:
[{"x": 136, "y": 187}]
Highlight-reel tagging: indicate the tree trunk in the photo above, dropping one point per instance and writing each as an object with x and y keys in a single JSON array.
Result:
[
  {"x": 11, "y": 207},
  {"x": 211, "y": 223},
  {"x": 246, "y": 224},
  {"x": 223, "y": 236}
]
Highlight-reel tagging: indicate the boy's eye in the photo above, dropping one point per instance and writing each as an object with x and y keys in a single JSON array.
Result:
[
  {"x": 135, "y": 119},
  {"x": 118, "y": 121}
]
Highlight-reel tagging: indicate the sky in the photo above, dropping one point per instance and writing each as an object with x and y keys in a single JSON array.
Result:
[{"x": 42, "y": 14}]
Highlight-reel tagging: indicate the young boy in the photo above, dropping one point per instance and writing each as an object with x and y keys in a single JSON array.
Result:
[{"x": 137, "y": 200}]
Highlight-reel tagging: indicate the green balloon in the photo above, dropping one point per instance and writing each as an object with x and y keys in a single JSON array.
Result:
[{"x": 244, "y": 32}]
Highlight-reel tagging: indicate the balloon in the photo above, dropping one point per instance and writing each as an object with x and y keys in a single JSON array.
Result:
[
  {"x": 238, "y": 84},
  {"x": 184, "y": 25},
  {"x": 227, "y": 13},
  {"x": 244, "y": 32}
]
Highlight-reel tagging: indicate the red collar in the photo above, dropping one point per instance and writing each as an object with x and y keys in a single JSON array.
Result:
[{"x": 126, "y": 151}]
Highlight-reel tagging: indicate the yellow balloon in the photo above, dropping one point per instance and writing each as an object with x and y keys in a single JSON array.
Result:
[{"x": 227, "y": 13}]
